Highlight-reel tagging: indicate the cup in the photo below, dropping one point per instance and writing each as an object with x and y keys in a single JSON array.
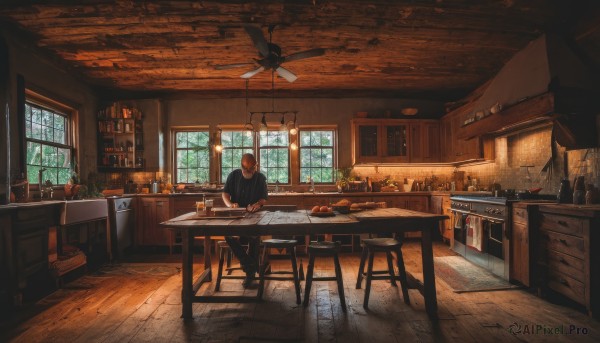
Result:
[
  {"x": 199, "y": 207},
  {"x": 208, "y": 204}
]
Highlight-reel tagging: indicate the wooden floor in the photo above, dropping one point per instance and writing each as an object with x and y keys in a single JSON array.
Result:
[{"x": 141, "y": 307}]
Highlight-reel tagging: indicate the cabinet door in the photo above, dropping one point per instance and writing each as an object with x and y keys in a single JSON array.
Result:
[
  {"x": 367, "y": 142},
  {"x": 152, "y": 212},
  {"x": 416, "y": 143},
  {"x": 146, "y": 218},
  {"x": 430, "y": 142},
  {"x": 519, "y": 247},
  {"x": 446, "y": 143},
  {"x": 417, "y": 203},
  {"x": 395, "y": 142}
]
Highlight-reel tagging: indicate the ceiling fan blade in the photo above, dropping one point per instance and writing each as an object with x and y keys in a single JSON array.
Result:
[
  {"x": 252, "y": 73},
  {"x": 234, "y": 65},
  {"x": 305, "y": 54},
  {"x": 258, "y": 39},
  {"x": 286, "y": 74}
]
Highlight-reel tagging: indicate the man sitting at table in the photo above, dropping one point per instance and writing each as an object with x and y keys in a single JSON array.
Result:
[{"x": 247, "y": 188}]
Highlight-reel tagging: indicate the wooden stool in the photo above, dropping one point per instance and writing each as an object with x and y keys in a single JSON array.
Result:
[
  {"x": 325, "y": 249},
  {"x": 224, "y": 251},
  {"x": 387, "y": 245},
  {"x": 290, "y": 246}
]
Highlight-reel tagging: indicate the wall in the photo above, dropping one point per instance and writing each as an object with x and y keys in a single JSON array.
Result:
[
  {"x": 310, "y": 112},
  {"x": 45, "y": 76}
]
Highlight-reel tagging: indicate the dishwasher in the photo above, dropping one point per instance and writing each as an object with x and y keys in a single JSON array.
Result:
[{"x": 122, "y": 220}]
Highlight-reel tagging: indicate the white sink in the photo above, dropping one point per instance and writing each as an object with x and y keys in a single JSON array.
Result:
[{"x": 78, "y": 211}]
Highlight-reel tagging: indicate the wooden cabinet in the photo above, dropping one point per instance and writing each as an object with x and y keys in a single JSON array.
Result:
[
  {"x": 440, "y": 204},
  {"x": 120, "y": 138},
  {"x": 520, "y": 242},
  {"x": 568, "y": 255},
  {"x": 425, "y": 142},
  {"x": 152, "y": 211},
  {"x": 24, "y": 243},
  {"x": 395, "y": 141}
]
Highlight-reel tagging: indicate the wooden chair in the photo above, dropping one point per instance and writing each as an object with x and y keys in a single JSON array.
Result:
[
  {"x": 290, "y": 247},
  {"x": 387, "y": 245},
  {"x": 324, "y": 249},
  {"x": 225, "y": 253}
]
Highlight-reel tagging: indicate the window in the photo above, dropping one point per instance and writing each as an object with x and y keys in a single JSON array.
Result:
[
  {"x": 48, "y": 145},
  {"x": 192, "y": 156},
  {"x": 274, "y": 156},
  {"x": 316, "y": 155},
  {"x": 235, "y": 144}
]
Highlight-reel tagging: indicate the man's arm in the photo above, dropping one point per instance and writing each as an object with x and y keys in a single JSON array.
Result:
[
  {"x": 262, "y": 191},
  {"x": 227, "y": 200}
]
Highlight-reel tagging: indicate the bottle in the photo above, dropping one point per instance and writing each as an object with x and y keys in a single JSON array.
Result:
[
  {"x": 579, "y": 191},
  {"x": 564, "y": 192}
]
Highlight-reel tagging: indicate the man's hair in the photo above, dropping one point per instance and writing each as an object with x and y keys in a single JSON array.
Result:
[{"x": 249, "y": 158}]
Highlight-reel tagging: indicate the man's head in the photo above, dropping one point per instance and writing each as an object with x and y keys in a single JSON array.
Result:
[{"x": 248, "y": 165}]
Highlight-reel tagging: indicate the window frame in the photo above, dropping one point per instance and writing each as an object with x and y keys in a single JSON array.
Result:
[
  {"x": 254, "y": 139},
  {"x": 174, "y": 149},
  {"x": 334, "y": 148},
  {"x": 57, "y": 106},
  {"x": 272, "y": 128}
]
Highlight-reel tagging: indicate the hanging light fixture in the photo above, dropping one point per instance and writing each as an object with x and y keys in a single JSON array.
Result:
[
  {"x": 294, "y": 146},
  {"x": 218, "y": 146},
  {"x": 283, "y": 126},
  {"x": 263, "y": 123},
  {"x": 294, "y": 128}
]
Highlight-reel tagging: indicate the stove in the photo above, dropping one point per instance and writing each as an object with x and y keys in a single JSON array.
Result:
[
  {"x": 482, "y": 231},
  {"x": 482, "y": 228}
]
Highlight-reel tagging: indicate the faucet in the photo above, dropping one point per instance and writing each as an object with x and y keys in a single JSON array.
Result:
[{"x": 40, "y": 182}]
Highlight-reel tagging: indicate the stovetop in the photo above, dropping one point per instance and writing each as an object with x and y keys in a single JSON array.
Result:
[{"x": 485, "y": 199}]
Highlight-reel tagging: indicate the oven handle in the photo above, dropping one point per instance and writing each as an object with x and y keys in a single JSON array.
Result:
[
  {"x": 473, "y": 213},
  {"x": 506, "y": 229}
]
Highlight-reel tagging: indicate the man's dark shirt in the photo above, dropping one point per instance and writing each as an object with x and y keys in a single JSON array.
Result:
[{"x": 246, "y": 192}]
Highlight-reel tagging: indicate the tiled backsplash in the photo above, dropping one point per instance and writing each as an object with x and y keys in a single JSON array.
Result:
[{"x": 523, "y": 161}]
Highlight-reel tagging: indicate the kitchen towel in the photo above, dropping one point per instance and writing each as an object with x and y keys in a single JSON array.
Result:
[
  {"x": 458, "y": 221},
  {"x": 477, "y": 226}
]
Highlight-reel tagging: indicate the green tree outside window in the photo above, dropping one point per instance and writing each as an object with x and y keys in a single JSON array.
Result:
[
  {"x": 316, "y": 156},
  {"x": 192, "y": 156}
]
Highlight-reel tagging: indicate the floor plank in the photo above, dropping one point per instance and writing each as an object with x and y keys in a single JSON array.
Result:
[{"x": 146, "y": 308}]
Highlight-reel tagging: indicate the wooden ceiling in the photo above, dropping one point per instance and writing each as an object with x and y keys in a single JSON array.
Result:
[{"x": 422, "y": 48}]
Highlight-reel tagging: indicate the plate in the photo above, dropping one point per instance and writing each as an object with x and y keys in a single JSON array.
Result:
[{"x": 322, "y": 214}]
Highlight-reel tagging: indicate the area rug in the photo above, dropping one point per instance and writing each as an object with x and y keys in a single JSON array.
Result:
[
  {"x": 150, "y": 269},
  {"x": 463, "y": 276}
]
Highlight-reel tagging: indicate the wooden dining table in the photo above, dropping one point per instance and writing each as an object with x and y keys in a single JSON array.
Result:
[{"x": 300, "y": 222}]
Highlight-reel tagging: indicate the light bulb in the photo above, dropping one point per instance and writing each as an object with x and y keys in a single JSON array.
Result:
[
  {"x": 293, "y": 146},
  {"x": 248, "y": 133},
  {"x": 293, "y": 130},
  {"x": 218, "y": 148}
]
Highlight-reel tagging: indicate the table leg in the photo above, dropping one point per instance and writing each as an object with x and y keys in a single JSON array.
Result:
[
  {"x": 428, "y": 272},
  {"x": 207, "y": 261},
  {"x": 187, "y": 272}
]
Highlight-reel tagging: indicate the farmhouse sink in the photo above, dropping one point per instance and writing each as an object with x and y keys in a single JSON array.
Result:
[{"x": 78, "y": 211}]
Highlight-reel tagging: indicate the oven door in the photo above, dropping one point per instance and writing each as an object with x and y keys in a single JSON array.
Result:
[
  {"x": 497, "y": 247},
  {"x": 459, "y": 224}
]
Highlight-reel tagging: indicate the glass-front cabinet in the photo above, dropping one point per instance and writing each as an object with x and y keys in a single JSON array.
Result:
[{"x": 395, "y": 141}]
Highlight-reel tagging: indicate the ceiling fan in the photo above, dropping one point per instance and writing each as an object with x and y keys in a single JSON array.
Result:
[{"x": 270, "y": 55}]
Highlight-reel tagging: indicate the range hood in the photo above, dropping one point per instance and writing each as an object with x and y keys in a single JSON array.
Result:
[{"x": 544, "y": 82}]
